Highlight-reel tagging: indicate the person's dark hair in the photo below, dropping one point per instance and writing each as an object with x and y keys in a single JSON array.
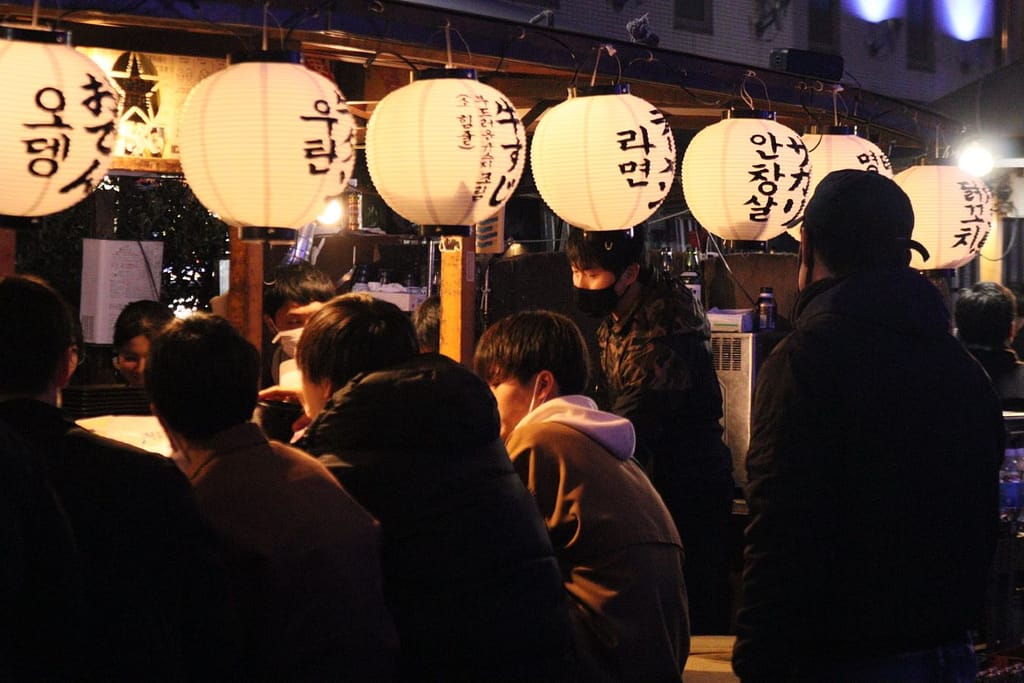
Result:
[
  {"x": 143, "y": 317},
  {"x": 41, "y": 328},
  {"x": 202, "y": 376},
  {"x": 427, "y": 321},
  {"x": 301, "y": 282},
  {"x": 522, "y": 344},
  {"x": 984, "y": 314},
  {"x": 612, "y": 250},
  {"x": 353, "y": 334},
  {"x": 1018, "y": 294}
]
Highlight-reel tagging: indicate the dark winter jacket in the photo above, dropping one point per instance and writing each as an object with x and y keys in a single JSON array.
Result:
[
  {"x": 152, "y": 574},
  {"x": 469, "y": 573},
  {"x": 1006, "y": 372},
  {"x": 873, "y": 485}
]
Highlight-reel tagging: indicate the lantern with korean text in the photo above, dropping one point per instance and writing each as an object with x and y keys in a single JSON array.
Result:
[
  {"x": 603, "y": 159},
  {"x": 952, "y": 214},
  {"x": 265, "y": 144},
  {"x": 839, "y": 148},
  {"x": 446, "y": 151},
  {"x": 58, "y": 127},
  {"x": 746, "y": 177}
]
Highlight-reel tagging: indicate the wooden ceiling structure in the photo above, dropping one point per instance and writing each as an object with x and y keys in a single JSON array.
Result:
[{"x": 532, "y": 65}]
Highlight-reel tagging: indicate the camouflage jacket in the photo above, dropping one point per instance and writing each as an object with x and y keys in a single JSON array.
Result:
[{"x": 658, "y": 372}]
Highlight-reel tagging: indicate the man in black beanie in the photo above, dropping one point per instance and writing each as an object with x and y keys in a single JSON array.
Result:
[{"x": 873, "y": 461}]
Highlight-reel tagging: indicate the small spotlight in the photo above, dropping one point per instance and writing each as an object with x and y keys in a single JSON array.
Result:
[{"x": 976, "y": 159}]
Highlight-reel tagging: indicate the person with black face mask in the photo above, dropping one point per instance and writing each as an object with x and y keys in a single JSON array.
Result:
[{"x": 658, "y": 372}]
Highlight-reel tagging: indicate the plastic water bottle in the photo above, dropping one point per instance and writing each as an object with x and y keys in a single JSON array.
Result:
[{"x": 1010, "y": 485}]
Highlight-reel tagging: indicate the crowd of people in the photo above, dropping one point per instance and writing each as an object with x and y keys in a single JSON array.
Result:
[{"x": 436, "y": 522}]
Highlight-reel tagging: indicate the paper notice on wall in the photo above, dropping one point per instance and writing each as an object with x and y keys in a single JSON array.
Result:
[{"x": 115, "y": 273}]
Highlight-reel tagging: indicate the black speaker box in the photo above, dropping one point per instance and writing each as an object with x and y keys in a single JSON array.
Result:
[{"x": 813, "y": 64}]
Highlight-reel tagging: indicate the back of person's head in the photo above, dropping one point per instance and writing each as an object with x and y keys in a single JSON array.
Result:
[
  {"x": 202, "y": 376},
  {"x": 40, "y": 330},
  {"x": 522, "y": 344},
  {"x": 300, "y": 282},
  {"x": 427, "y": 321},
  {"x": 140, "y": 318},
  {"x": 860, "y": 220},
  {"x": 984, "y": 314},
  {"x": 353, "y": 334},
  {"x": 612, "y": 250}
]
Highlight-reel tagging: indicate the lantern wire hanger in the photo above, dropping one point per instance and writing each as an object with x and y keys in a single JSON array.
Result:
[
  {"x": 678, "y": 71},
  {"x": 745, "y": 95},
  {"x": 611, "y": 52},
  {"x": 522, "y": 34}
]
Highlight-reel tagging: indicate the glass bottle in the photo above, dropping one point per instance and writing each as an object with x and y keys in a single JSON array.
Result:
[
  {"x": 692, "y": 271},
  {"x": 766, "y": 309}
]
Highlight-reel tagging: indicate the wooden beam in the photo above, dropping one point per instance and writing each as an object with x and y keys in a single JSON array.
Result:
[
  {"x": 245, "y": 294},
  {"x": 8, "y": 251},
  {"x": 458, "y": 298}
]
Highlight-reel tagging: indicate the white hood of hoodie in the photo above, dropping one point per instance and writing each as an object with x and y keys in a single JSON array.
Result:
[{"x": 581, "y": 413}]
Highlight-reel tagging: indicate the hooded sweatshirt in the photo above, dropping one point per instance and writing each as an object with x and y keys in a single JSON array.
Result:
[{"x": 620, "y": 554}]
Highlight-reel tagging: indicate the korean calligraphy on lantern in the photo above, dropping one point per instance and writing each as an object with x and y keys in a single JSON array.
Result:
[
  {"x": 974, "y": 225},
  {"x": 53, "y": 141},
  {"x": 779, "y": 176},
  {"x": 650, "y": 157},
  {"x": 492, "y": 128},
  {"x": 870, "y": 160},
  {"x": 331, "y": 139}
]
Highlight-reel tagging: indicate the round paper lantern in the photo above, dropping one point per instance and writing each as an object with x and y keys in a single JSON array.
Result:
[
  {"x": 58, "y": 130},
  {"x": 746, "y": 177},
  {"x": 603, "y": 160},
  {"x": 265, "y": 144},
  {"x": 839, "y": 148},
  {"x": 952, "y": 214},
  {"x": 445, "y": 151}
]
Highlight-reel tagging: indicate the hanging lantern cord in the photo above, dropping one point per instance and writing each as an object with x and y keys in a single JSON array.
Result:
[
  {"x": 745, "y": 95},
  {"x": 448, "y": 30},
  {"x": 597, "y": 60}
]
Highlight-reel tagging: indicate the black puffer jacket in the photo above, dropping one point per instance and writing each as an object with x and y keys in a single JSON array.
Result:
[
  {"x": 873, "y": 485},
  {"x": 469, "y": 572}
]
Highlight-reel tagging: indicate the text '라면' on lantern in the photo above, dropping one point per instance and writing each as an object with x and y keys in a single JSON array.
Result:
[
  {"x": 603, "y": 159},
  {"x": 746, "y": 177},
  {"x": 58, "y": 124},
  {"x": 445, "y": 151},
  {"x": 839, "y": 148},
  {"x": 266, "y": 144},
  {"x": 952, "y": 214}
]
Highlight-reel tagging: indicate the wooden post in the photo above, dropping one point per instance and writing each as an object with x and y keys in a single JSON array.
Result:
[
  {"x": 458, "y": 297},
  {"x": 245, "y": 294},
  {"x": 8, "y": 251},
  {"x": 990, "y": 265}
]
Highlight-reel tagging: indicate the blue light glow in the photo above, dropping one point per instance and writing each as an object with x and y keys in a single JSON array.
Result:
[
  {"x": 875, "y": 10},
  {"x": 967, "y": 19}
]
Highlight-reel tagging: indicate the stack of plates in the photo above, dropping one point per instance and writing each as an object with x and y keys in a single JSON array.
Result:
[{"x": 104, "y": 399}]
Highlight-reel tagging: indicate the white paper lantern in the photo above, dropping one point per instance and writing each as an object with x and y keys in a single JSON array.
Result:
[
  {"x": 266, "y": 144},
  {"x": 952, "y": 214},
  {"x": 746, "y": 177},
  {"x": 446, "y": 151},
  {"x": 839, "y": 148},
  {"x": 603, "y": 160},
  {"x": 58, "y": 130}
]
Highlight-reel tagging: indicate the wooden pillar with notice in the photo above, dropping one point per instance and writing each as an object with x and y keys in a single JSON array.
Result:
[{"x": 458, "y": 297}]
